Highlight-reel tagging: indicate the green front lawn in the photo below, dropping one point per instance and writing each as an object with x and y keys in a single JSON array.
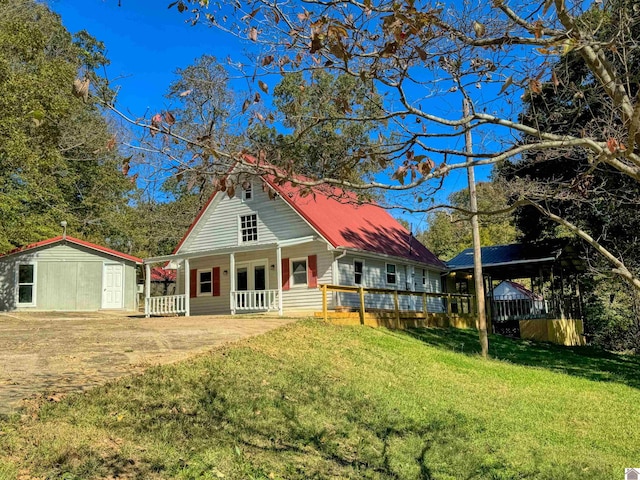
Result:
[{"x": 316, "y": 401}]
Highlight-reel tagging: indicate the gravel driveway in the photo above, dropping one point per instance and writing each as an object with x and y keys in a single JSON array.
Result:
[{"x": 46, "y": 353}]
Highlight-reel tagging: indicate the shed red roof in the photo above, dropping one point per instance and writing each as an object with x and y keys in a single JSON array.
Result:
[
  {"x": 76, "y": 241},
  {"x": 345, "y": 222}
]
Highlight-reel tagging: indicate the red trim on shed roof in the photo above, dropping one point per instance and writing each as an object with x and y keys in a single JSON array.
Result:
[
  {"x": 344, "y": 222},
  {"x": 77, "y": 241}
]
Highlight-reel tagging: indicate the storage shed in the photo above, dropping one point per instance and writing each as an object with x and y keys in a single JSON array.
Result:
[{"x": 67, "y": 274}]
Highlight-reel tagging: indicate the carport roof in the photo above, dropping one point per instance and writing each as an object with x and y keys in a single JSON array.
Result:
[
  {"x": 76, "y": 241},
  {"x": 520, "y": 260}
]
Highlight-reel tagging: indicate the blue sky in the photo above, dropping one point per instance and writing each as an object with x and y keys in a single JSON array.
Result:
[{"x": 146, "y": 43}]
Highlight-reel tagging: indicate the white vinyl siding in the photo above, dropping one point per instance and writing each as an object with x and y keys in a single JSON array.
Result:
[
  {"x": 374, "y": 276},
  {"x": 207, "y": 304},
  {"x": 307, "y": 299},
  {"x": 276, "y": 221}
]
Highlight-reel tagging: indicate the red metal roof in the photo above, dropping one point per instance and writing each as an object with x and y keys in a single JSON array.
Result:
[
  {"x": 345, "y": 222},
  {"x": 159, "y": 274},
  {"x": 77, "y": 241}
]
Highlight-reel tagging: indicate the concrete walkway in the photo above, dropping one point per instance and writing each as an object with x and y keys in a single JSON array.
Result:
[{"x": 45, "y": 353}]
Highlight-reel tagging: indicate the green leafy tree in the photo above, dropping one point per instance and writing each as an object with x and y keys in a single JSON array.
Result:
[
  {"x": 317, "y": 136},
  {"x": 57, "y": 155},
  {"x": 574, "y": 185},
  {"x": 449, "y": 232}
]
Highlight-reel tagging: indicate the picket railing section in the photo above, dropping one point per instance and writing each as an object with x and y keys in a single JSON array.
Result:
[
  {"x": 255, "y": 300},
  {"x": 166, "y": 305}
]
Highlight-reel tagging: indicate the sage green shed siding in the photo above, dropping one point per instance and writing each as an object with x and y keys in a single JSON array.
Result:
[{"x": 68, "y": 278}]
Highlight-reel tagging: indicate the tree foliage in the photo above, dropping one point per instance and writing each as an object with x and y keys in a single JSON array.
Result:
[
  {"x": 57, "y": 155},
  {"x": 574, "y": 185},
  {"x": 449, "y": 232},
  {"x": 315, "y": 136},
  {"x": 426, "y": 57}
]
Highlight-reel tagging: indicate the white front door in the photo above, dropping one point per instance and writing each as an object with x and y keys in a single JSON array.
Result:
[
  {"x": 251, "y": 280},
  {"x": 113, "y": 286},
  {"x": 252, "y": 275}
]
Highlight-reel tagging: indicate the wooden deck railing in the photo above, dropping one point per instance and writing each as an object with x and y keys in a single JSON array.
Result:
[{"x": 452, "y": 303}]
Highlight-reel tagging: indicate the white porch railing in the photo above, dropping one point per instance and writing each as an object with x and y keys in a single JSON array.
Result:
[
  {"x": 170, "y": 304},
  {"x": 255, "y": 300}
]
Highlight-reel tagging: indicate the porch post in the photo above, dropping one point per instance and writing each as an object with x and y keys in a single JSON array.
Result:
[
  {"x": 147, "y": 289},
  {"x": 279, "y": 275},
  {"x": 187, "y": 288},
  {"x": 232, "y": 282}
]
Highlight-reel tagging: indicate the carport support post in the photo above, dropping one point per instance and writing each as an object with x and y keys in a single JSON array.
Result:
[
  {"x": 187, "y": 288},
  {"x": 279, "y": 275},
  {"x": 147, "y": 289}
]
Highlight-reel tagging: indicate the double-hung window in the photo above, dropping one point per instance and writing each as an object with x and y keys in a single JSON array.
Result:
[
  {"x": 358, "y": 269},
  {"x": 391, "y": 273},
  {"x": 249, "y": 228},
  {"x": 205, "y": 282},
  {"x": 299, "y": 271},
  {"x": 26, "y": 285}
]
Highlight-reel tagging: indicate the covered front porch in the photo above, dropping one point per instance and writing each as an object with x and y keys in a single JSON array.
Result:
[{"x": 230, "y": 280}]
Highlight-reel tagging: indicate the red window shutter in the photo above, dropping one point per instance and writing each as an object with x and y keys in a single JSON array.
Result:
[
  {"x": 193, "y": 283},
  {"x": 215, "y": 278},
  {"x": 285, "y": 274},
  {"x": 312, "y": 271}
]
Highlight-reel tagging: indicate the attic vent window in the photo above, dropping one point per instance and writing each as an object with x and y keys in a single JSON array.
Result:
[
  {"x": 249, "y": 228},
  {"x": 247, "y": 191}
]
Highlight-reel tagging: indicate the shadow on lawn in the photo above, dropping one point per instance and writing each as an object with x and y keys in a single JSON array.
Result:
[{"x": 588, "y": 362}]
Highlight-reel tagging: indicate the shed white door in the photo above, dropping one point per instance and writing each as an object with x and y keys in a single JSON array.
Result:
[{"x": 113, "y": 286}]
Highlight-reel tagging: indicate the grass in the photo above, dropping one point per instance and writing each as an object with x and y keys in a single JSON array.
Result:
[{"x": 312, "y": 400}]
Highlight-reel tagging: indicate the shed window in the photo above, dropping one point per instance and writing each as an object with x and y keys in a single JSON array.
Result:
[
  {"x": 26, "y": 284},
  {"x": 358, "y": 268},
  {"x": 299, "y": 271},
  {"x": 205, "y": 282},
  {"x": 391, "y": 274},
  {"x": 249, "y": 228}
]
